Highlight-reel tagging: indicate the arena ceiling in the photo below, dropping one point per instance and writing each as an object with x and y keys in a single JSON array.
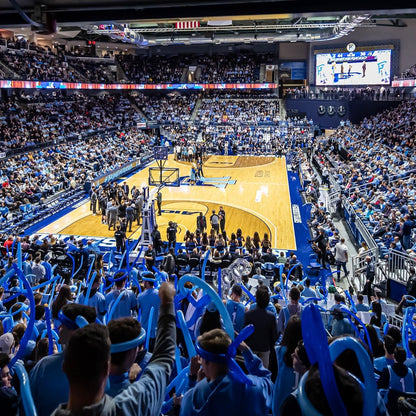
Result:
[{"x": 154, "y": 22}]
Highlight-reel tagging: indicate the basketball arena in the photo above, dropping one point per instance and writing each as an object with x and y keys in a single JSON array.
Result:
[{"x": 207, "y": 208}]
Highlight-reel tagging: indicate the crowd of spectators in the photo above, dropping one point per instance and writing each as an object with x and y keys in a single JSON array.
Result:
[
  {"x": 277, "y": 337},
  {"x": 231, "y": 68},
  {"x": 34, "y": 177},
  {"x": 409, "y": 72},
  {"x": 37, "y": 66},
  {"x": 374, "y": 166},
  {"x": 171, "y": 108},
  {"x": 28, "y": 126},
  {"x": 98, "y": 72},
  {"x": 376, "y": 175},
  {"x": 346, "y": 93},
  {"x": 154, "y": 70},
  {"x": 217, "y": 110}
]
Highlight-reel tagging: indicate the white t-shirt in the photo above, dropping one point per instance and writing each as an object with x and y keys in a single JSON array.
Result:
[{"x": 341, "y": 252}]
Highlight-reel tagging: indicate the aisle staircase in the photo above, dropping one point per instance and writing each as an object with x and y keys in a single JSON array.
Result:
[
  {"x": 133, "y": 103},
  {"x": 282, "y": 109},
  {"x": 195, "y": 110}
]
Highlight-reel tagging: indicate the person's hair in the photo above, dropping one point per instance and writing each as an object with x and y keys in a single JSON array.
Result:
[
  {"x": 4, "y": 360},
  {"x": 215, "y": 341},
  {"x": 400, "y": 355},
  {"x": 412, "y": 347},
  {"x": 349, "y": 390},
  {"x": 360, "y": 297},
  {"x": 42, "y": 349},
  {"x": 72, "y": 310},
  {"x": 307, "y": 282},
  {"x": 395, "y": 333},
  {"x": 94, "y": 290},
  {"x": 262, "y": 297},
  {"x": 18, "y": 332},
  {"x": 291, "y": 337},
  {"x": 87, "y": 356},
  {"x": 302, "y": 354},
  {"x": 18, "y": 315},
  {"x": 209, "y": 321},
  {"x": 375, "y": 341},
  {"x": 389, "y": 344},
  {"x": 294, "y": 293},
  {"x": 122, "y": 330},
  {"x": 39, "y": 312},
  {"x": 120, "y": 283},
  {"x": 376, "y": 319},
  {"x": 38, "y": 298},
  {"x": 64, "y": 296},
  {"x": 348, "y": 358},
  {"x": 237, "y": 290}
]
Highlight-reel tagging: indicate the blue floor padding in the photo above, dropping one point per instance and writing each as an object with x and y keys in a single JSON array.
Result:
[
  {"x": 49, "y": 220},
  {"x": 301, "y": 229}
]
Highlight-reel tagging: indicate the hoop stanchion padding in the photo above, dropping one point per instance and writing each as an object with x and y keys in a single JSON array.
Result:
[
  {"x": 25, "y": 392},
  {"x": 197, "y": 282}
]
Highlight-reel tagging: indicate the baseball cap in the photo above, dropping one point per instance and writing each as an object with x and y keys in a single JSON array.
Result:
[{"x": 6, "y": 343}]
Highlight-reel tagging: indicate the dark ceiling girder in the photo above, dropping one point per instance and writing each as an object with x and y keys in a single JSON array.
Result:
[{"x": 107, "y": 11}]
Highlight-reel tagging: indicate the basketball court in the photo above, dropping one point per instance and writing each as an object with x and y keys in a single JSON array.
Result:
[{"x": 254, "y": 192}]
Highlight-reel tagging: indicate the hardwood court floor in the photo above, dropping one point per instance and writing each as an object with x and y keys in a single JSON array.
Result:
[{"x": 258, "y": 200}]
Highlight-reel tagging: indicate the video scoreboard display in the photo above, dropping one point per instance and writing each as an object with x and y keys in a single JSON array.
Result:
[{"x": 354, "y": 68}]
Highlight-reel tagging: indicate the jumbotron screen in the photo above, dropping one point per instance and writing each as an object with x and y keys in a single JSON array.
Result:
[{"x": 353, "y": 68}]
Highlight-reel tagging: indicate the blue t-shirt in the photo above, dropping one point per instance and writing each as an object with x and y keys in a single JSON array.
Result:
[
  {"x": 145, "y": 301},
  {"x": 381, "y": 363},
  {"x": 124, "y": 307},
  {"x": 236, "y": 311},
  {"x": 97, "y": 301},
  {"x": 49, "y": 384}
]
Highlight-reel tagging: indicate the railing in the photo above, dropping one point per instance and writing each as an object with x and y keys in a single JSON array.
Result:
[
  {"x": 8, "y": 72},
  {"x": 395, "y": 320},
  {"x": 359, "y": 265},
  {"x": 398, "y": 264},
  {"x": 356, "y": 224}
]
